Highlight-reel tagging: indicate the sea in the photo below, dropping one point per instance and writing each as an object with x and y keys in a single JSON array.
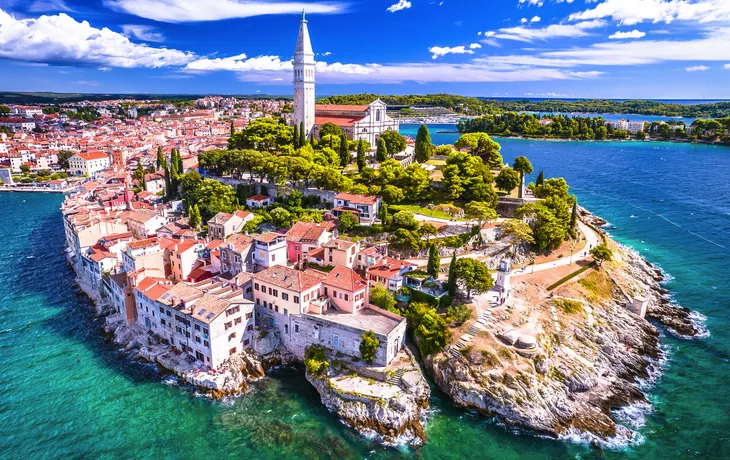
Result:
[{"x": 66, "y": 392}]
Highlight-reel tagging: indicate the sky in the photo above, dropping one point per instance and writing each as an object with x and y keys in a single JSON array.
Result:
[{"x": 649, "y": 49}]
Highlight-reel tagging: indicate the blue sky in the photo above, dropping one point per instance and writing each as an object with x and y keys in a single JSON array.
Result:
[{"x": 660, "y": 49}]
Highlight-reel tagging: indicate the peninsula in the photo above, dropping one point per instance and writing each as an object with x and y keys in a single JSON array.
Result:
[{"x": 316, "y": 236}]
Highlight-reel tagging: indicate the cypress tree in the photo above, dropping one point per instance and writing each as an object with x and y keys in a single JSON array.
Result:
[
  {"x": 180, "y": 167},
  {"x": 296, "y": 136},
  {"x": 381, "y": 154},
  {"x": 160, "y": 157},
  {"x": 311, "y": 139},
  {"x": 174, "y": 171},
  {"x": 194, "y": 216},
  {"x": 303, "y": 136},
  {"x": 574, "y": 217},
  {"x": 361, "y": 161},
  {"x": 233, "y": 128},
  {"x": 344, "y": 152},
  {"x": 452, "y": 276},
  {"x": 383, "y": 214},
  {"x": 540, "y": 178},
  {"x": 168, "y": 184},
  {"x": 434, "y": 260},
  {"x": 424, "y": 147}
]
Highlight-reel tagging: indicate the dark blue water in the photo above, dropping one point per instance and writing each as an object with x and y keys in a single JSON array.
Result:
[{"x": 67, "y": 393}]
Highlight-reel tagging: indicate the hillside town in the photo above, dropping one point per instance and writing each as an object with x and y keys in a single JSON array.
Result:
[{"x": 229, "y": 237}]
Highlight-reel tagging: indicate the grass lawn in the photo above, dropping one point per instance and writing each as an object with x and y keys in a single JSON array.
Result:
[
  {"x": 436, "y": 162},
  {"x": 417, "y": 209}
]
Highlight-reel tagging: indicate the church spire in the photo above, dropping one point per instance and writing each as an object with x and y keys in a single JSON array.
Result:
[{"x": 304, "y": 44}]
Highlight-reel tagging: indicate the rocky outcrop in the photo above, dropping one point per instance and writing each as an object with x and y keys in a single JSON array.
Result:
[
  {"x": 386, "y": 403},
  {"x": 570, "y": 386},
  {"x": 392, "y": 419}
]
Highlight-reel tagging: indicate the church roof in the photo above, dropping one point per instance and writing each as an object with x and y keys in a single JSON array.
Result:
[
  {"x": 338, "y": 121},
  {"x": 304, "y": 44},
  {"x": 340, "y": 108}
]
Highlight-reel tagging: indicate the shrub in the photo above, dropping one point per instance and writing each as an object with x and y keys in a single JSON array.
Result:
[
  {"x": 429, "y": 328},
  {"x": 458, "y": 314},
  {"x": 369, "y": 346},
  {"x": 315, "y": 360},
  {"x": 382, "y": 297},
  {"x": 569, "y": 306}
]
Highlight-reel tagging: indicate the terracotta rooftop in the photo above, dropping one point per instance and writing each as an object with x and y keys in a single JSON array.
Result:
[
  {"x": 345, "y": 278},
  {"x": 288, "y": 278}
]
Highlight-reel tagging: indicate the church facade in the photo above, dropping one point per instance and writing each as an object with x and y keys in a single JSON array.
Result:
[{"x": 357, "y": 121}]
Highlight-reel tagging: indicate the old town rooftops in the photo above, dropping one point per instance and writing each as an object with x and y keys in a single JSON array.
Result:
[
  {"x": 357, "y": 199},
  {"x": 342, "y": 245},
  {"x": 141, "y": 244},
  {"x": 307, "y": 231},
  {"x": 343, "y": 277},
  {"x": 288, "y": 278}
]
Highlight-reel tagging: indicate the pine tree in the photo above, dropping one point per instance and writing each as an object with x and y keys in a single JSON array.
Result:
[
  {"x": 233, "y": 128},
  {"x": 160, "y": 157},
  {"x": 381, "y": 154},
  {"x": 434, "y": 260},
  {"x": 452, "y": 276},
  {"x": 344, "y": 152},
  {"x": 424, "y": 147},
  {"x": 361, "y": 161},
  {"x": 303, "y": 136},
  {"x": 540, "y": 178},
  {"x": 296, "y": 136},
  {"x": 194, "y": 217}
]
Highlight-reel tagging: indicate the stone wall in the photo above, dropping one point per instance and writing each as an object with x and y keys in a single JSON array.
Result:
[{"x": 273, "y": 190}]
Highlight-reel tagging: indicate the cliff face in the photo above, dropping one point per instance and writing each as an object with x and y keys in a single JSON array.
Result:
[
  {"x": 388, "y": 404},
  {"x": 570, "y": 386}
]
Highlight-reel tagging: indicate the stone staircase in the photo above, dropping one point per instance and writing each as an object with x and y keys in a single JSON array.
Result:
[{"x": 396, "y": 378}]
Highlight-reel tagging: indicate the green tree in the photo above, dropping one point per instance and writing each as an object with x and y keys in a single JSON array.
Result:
[
  {"x": 361, "y": 160},
  {"x": 381, "y": 153},
  {"x": 507, "y": 180},
  {"x": 168, "y": 184},
  {"x": 383, "y": 214},
  {"x": 424, "y": 147},
  {"x": 160, "y": 157},
  {"x": 474, "y": 276},
  {"x": 4, "y": 110},
  {"x": 303, "y": 136},
  {"x": 25, "y": 169},
  {"x": 518, "y": 230},
  {"x": 434, "y": 261},
  {"x": 330, "y": 128},
  {"x": 431, "y": 331},
  {"x": 138, "y": 173},
  {"x": 63, "y": 157},
  {"x": 194, "y": 216},
  {"x": 416, "y": 182},
  {"x": 404, "y": 219},
  {"x": 347, "y": 221},
  {"x": 452, "y": 276},
  {"x": 523, "y": 166},
  {"x": 405, "y": 240},
  {"x": 263, "y": 134},
  {"x": 540, "y": 178},
  {"x": 232, "y": 128},
  {"x": 344, "y": 152},
  {"x": 548, "y": 230},
  {"x": 574, "y": 217},
  {"x": 427, "y": 230},
  {"x": 394, "y": 142},
  {"x": 295, "y": 137},
  {"x": 482, "y": 145},
  {"x": 480, "y": 211},
  {"x": 368, "y": 346},
  {"x": 281, "y": 217},
  {"x": 382, "y": 297},
  {"x": 392, "y": 194},
  {"x": 601, "y": 253}
]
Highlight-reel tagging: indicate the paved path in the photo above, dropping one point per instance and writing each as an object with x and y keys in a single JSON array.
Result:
[{"x": 592, "y": 240}]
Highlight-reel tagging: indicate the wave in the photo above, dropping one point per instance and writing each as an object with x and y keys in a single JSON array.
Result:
[
  {"x": 634, "y": 415},
  {"x": 625, "y": 438}
]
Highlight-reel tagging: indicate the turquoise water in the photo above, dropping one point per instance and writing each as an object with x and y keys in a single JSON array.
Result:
[{"x": 65, "y": 392}]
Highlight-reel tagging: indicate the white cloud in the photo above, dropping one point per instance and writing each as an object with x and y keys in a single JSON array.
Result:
[
  {"x": 527, "y": 34},
  {"x": 140, "y": 32},
  {"x": 697, "y": 68},
  {"x": 438, "y": 51},
  {"x": 623, "y": 35},
  {"x": 535, "y": 19},
  {"x": 60, "y": 39},
  {"x": 532, "y": 2},
  {"x": 214, "y": 10},
  {"x": 630, "y": 12},
  {"x": 474, "y": 46},
  {"x": 727, "y": 66},
  {"x": 326, "y": 53},
  {"x": 523, "y": 20},
  {"x": 401, "y": 5},
  {"x": 712, "y": 47}
]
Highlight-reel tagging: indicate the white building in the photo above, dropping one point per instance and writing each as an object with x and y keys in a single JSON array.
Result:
[
  {"x": 304, "y": 79},
  {"x": 89, "y": 163}
]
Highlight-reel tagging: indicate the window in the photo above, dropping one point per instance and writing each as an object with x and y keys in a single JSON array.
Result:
[
  {"x": 296, "y": 328},
  {"x": 256, "y": 286},
  {"x": 286, "y": 328},
  {"x": 232, "y": 336},
  {"x": 205, "y": 330},
  {"x": 161, "y": 310},
  {"x": 346, "y": 297},
  {"x": 263, "y": 289},
  {"x": 306, "y": 297},
  {"x": 248, "y": 315},
  {"x": 228, "y": 325},
  {"x": 276, "y": 293},
  {"x": 249, "y": 328},
  {"x": 197, "y": 339},
  {"x": 197, "y": 328},
  {"x": 205, "y": 343},
  {"x": 162, "y": 321},
  {"x": 286, "y": 312},
  {"x": 237, "y": 320},
  {"x": 284, "y": 296},
  {"x": 296, "y": 299},
  {"x": 232, "y": 351},
  {"x": 273, "y": 257}
]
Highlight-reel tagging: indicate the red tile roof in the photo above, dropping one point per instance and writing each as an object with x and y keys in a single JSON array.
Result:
[
  {"x": 345, "y": 278},
  {"x": 357, "y": 199},
  {"x": 288, "y": 278},
  {"x": 339, "y": 108}
]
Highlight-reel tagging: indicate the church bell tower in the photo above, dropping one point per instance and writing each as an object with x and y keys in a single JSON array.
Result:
[{"x": 304, "y": 79}]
